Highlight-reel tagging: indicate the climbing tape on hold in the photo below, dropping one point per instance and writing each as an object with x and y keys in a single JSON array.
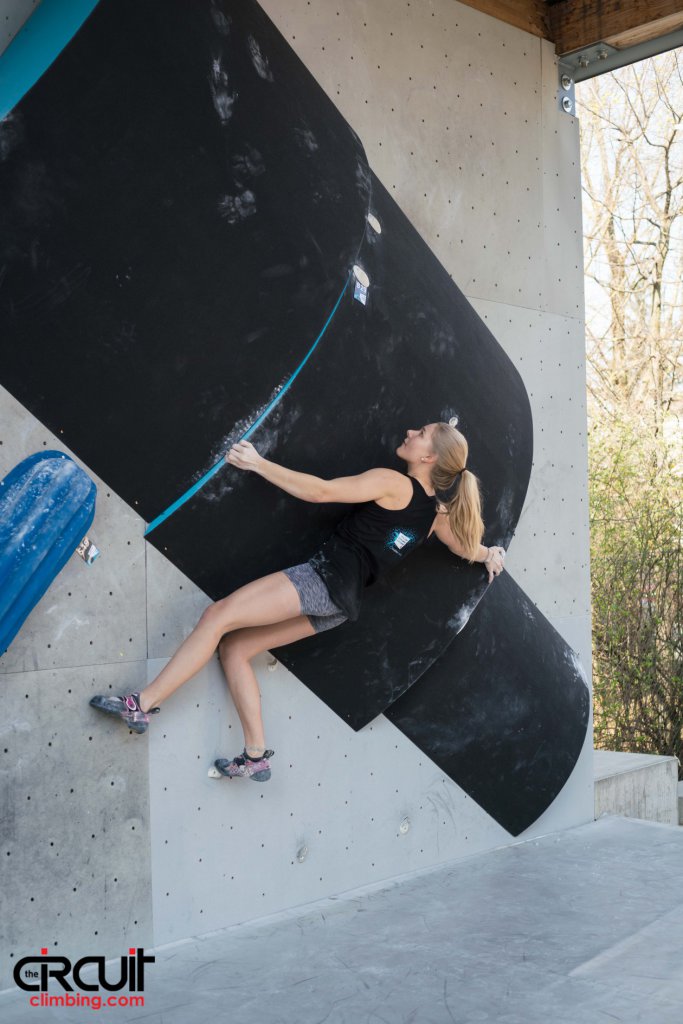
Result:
[{"x": 214, "y": 469}]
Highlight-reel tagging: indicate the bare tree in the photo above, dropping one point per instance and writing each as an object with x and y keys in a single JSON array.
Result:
[{"x": 632, "y": 167}]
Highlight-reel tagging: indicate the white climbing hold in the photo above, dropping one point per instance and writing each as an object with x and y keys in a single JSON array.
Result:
[{"x": 361, "y": 276}]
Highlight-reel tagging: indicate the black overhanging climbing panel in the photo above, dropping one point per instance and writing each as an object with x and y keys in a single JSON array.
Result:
[{"x": 181, "y": 206}]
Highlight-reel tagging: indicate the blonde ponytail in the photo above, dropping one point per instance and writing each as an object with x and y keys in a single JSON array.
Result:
[{"x": 457, "y": 489}]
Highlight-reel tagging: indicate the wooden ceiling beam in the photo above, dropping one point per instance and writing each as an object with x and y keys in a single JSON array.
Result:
[
  {"x": 529, "y": 15},
  {"x": 574, "y": 24}
]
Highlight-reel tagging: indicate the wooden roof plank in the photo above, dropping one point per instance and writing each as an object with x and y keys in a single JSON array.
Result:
[{"x": 573, "y": 24}]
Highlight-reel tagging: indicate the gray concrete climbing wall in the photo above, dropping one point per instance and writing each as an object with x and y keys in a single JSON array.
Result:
[
  {"x": 74, "y": 792},
  {"x": 104, "y": 833},
  {"x": 13, "y": 14}
]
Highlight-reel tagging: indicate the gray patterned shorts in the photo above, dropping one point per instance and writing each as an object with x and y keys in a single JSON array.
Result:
[{"x": 314, "y": 596}]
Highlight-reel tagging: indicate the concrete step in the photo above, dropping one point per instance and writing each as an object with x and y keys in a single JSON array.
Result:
[{"x": 642, "y": 786}]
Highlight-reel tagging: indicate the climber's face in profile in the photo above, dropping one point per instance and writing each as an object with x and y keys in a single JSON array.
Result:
[{"x": 417, "y": 444}]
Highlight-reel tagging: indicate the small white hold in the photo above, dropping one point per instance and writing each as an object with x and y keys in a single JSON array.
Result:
[
  {"x": 374, "y": 223},
  {"x": 87, "y": 551},
  {"x": 360, "y": 293},
  {"x": 453, "y": 421},
  {"x": 213, "y": 773},
  {"x": 361, "y": 276},
  {"x": 272, "y": 664}
]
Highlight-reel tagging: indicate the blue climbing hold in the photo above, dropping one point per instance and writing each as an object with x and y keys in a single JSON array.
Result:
[{"x": 47, "y": 503}]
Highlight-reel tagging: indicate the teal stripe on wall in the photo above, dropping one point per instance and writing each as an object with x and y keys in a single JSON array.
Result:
[{"x": 40, "y": 40}]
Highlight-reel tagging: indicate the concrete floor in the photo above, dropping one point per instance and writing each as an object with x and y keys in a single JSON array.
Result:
[{"x": 583, "y": 926}]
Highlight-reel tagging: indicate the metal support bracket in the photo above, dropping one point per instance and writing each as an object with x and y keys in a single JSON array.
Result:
[{"x": 566, "y": 100}]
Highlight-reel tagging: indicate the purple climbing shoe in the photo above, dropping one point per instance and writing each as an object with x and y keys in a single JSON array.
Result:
[
  {"x": 243, "y": 766},
  {"x": 127, "y": 708}
]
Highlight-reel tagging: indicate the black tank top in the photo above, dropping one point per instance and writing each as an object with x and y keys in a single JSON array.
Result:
[{"x": 368, "y": 541}]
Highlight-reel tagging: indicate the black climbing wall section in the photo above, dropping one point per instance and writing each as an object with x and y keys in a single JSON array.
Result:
[
  {"x": 423, "y": 348},
  {"x": 175, "y": 224},
  {"x": 504, "y": 711},
  {"x": 181, "y": 205}
]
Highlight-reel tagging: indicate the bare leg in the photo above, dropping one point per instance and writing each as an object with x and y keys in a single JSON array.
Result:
[
  {"x": 268, "y": 600},
  {"x": 235, "y": 650}
]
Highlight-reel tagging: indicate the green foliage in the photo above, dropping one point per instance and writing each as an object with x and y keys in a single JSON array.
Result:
[{"x": 636, "y": 516}]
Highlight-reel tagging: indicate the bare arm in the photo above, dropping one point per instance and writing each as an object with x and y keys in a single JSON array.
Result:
[
  {"x": 491, "y": 557},
  {"x": 368, "y": 486}
]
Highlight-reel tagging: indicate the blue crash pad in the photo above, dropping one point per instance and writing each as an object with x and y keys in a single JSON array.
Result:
[{"x": 47, "y": 503}]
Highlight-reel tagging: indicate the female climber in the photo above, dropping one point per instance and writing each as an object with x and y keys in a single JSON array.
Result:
[{"x": 395, "y": 511}]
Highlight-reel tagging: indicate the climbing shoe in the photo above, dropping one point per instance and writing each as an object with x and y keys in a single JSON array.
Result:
[
  {"x": 127, "y": 708},
  {"x": 244, "y": 766}
]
